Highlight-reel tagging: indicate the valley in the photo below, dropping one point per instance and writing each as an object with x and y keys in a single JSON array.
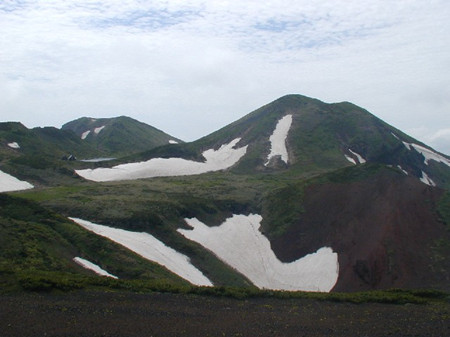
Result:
[{"x": 299, "y": 196}]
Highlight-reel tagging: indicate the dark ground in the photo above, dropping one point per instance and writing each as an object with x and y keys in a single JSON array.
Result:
[{"x": 127, "y": 314}]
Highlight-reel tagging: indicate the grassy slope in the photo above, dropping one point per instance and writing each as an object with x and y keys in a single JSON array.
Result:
[
  {"x": 36, "y": 242},
  {"x": 120, "y": 136},
  {"x": 159, "y": 205}
]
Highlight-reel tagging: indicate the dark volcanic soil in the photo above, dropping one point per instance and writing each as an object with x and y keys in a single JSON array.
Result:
[
  {"x": 126, "y": 314},
  {"x": 385, "y": 230}
]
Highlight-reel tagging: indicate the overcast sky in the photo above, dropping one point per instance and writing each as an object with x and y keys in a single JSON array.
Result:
[{"x": 192, "y": 67}]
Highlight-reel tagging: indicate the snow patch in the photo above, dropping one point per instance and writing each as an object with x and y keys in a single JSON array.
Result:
[
  {"x": 14, "y": 145},
  {"x": 427, "y": 153},
  {"x": 427, "y": 180},
  {"x": 350, "y": 159},
  {"x": 395, "y": 135},
  {"x": 171, "y": 141},
  {"x": 216, "y": 160},
  {"x": 96, "y": 160},
  {"x": 9, "y": 183},
  {"x": 359, "y": 157},
  {"x": 401, "y": 169},
  {"x": 92, "y": 266},
  {"x": 239, "y": 243},
  {"x": 278, "y": 139},
  {"x": 97, "y": 130},
  {"x": 85, "y": 134},
  {"x": 151, "y": 249}
]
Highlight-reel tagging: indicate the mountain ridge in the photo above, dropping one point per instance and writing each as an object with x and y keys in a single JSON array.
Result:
[{"x": 314, "y": 174}]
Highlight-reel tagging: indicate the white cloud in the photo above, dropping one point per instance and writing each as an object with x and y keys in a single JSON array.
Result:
[{"x": 191, "y": 68}]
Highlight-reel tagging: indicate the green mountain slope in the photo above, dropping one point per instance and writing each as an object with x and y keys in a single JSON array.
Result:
[
  {"x": 38, "y": 246},
  {"x": 323, "y": 137},
  {"x": 118, "y": 136},
  {"x": 377, "y": 197}
]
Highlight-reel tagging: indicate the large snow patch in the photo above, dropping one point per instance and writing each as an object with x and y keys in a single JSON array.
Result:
[
  {"x": 278, "y": 139},
  {"x": 239, "y": 243},
  {"x": 216, "y": 160},
  {"x": 427, "y": 153},
  {"x": 9, "y": 183},
  {"x": 151, "y": 249}
]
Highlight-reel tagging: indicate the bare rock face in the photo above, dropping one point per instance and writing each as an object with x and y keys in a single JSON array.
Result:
[{"x": 385, "y": 230}]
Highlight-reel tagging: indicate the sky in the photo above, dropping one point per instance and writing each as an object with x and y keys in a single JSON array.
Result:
[{"x": 192, "y": 67}]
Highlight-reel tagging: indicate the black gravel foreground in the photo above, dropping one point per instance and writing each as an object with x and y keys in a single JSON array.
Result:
[{"x": 128, "y": 314}]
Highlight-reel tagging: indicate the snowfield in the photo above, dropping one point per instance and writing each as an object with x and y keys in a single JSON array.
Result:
[
  {"x": 239, "y": 243},
  {"x": 216, "y": 160},
  {"x": 9, "y": 183},
  {"x": 96, "y": 160},
  {"x": 361, "y": 160},
  {"x": 97, "y": 130},
  {"x": 427, "y": 180},
  {"x": 14, "y": 145},
  {"x": 350, "y": 159},
  {"x": 278, "y": 139},
  {"x": 427, "y": 153},
  {"x": 151, "y": 249},
  {"x": 358, "y": 156},
  {"x": 85, "y": 134},
  {"x": 92, "y": 266}
]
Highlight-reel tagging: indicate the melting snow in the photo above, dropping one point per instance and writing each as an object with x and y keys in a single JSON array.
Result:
[
  {"x": 9, "y": 183},
  {"x": 173, "y": 141},
  {"x": 92, "y": 266},
  {"x": 400, "y": 168},
  {"x": 225, "y": 157},
  {"x": 278, "y": 139},
  {"x": 14, "y": 145},
  {"x": 427, "y": 153},
  {"x": 97, "y": 130},
  {"x": 151, "y": 249},
  {"x": 85, "y": 134},
  {"x": 427, "y": 180},
  {"x": 96, "y": 160},
  {"x": 350, "y": 159},
  {"x": 239, "y": 243},
  {"x": 359, "y": 157}
]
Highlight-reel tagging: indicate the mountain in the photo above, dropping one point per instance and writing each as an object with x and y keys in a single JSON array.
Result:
[
  {"x": 297, "y": 195},
  {"x": 41, "y": 154},
  {"x": 319, "y": 138},
  {"x": 118, "y": 136}
]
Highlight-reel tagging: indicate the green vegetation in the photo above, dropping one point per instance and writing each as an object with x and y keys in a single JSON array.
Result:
[
  {"x": 38, "y": 242},
  {"x": 59, "y": 281}
]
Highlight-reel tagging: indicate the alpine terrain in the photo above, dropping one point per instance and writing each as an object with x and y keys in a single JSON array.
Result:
[{"x": 298, "y": 195}]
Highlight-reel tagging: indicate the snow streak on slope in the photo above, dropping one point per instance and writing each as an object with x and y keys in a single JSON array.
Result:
[
  {"x": 97, "y": 130},
  {"x": 427, "y": 153},
  {"x": 85, "y": 134},
  {"x": 216, "y": 160},
  {"x": 278, "y": 139},
  {"x": 151, "y": 249},
  {"x": 350, "y": 159},
  {"x": 92, "y": 266},
  {"x": 239, "y": 243},
  {"x": 14, "y": 145},
  {"x": 9, "y": 183},
  {"x": 358, "y": 156},
  {"x": 427, "y": 180}
]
